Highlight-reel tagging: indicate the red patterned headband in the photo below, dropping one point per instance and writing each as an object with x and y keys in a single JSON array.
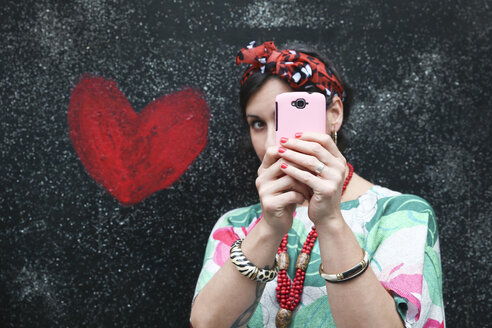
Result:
[{"x": 298, "y": 69}]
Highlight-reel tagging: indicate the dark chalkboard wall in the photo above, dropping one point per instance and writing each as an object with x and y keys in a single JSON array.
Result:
[{"x": 71, "y": 255}]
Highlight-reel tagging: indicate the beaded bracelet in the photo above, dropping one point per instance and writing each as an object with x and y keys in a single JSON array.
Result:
[
  {"x": 248, "y": 269},
  {"x": 349, "y": 274}
]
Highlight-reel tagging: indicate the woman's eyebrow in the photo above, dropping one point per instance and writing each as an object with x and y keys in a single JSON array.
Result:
[{"x": 257, "y": 116}]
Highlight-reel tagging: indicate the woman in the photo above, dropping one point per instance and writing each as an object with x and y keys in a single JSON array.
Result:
[{"x": 313, "y": 208}]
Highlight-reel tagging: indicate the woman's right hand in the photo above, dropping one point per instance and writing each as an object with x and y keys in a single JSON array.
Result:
[{"x": 279, "y": 193}]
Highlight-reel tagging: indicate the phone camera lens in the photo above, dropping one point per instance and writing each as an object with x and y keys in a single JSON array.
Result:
[{"x": 300, "y": 103}]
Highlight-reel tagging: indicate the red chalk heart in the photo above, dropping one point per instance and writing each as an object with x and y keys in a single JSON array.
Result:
[{"x": 134, "y": 154}]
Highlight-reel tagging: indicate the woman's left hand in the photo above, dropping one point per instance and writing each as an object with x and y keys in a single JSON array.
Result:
[{"x": 319, "y": 164}]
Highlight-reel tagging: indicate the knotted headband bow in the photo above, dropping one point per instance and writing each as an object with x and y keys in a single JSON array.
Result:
[{"x": 298, "y": 69}]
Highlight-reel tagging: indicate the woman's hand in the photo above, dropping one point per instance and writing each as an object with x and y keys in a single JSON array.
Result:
[
  {"x": 311, "y": 152},
  {"x": 279, "y": 193}
]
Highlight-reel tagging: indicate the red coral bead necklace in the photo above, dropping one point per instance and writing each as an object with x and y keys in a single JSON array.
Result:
[{"x": 289, "y": 292}]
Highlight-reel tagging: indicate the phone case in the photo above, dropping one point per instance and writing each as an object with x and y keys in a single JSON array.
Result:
[{"x": 299, "y": 112}]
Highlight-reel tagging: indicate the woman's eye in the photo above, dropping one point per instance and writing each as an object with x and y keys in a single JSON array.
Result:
[{"x": 255, "y": 125}]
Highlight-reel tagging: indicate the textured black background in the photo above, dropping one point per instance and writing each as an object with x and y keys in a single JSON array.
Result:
[{"x": 70, "y": 255}]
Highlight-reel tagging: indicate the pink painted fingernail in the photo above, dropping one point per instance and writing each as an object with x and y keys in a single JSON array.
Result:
[
  {"x": 283, "y": 140},
  {"x": 298, "y": 134},
  {"x": 281, "y": 150},
  {"x": 284, "y": 166}
]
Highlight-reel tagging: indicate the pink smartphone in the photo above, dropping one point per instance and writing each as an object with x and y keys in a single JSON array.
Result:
[{"x": 299, "y": 112}]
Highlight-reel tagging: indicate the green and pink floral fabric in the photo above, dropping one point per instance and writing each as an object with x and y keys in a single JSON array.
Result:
[{"x": 398, "y": 231}]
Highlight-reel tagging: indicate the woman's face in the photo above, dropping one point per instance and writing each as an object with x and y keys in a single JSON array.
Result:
[{"x": 260, "y": 114}]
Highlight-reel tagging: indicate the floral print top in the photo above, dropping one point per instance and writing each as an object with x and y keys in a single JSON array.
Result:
[{"x": 399, "y": 233}]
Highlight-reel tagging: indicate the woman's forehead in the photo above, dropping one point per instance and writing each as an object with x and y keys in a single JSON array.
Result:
[{"x": 263, "y": 100}]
